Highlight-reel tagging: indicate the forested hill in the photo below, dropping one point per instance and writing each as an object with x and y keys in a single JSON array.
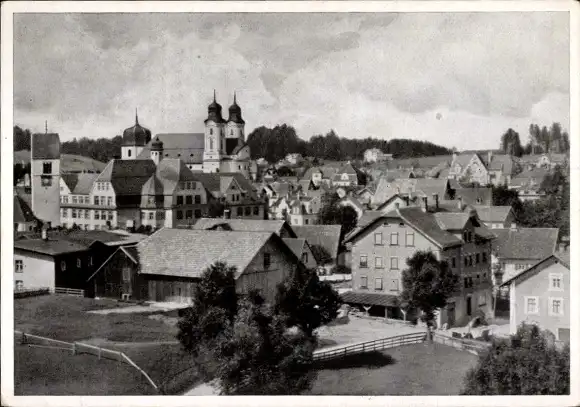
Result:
[
  {"x": 271, "y": 144},
  {"x": 274, "y": 144}
]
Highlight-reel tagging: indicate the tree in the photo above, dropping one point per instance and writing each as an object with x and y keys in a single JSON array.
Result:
[
  {"x": 258, "y": 356},
  {"x": 214, "y": 307},
  {"x": 306, "y": 302},
  {"x": 503, "y": 196},
  {"x": 527, "y": 364},
  {"x": 511, "y": 144},
  {"x": 332, "y": 213},
  {"x": 427, "y": 284},
  {"x": 21, "y": 139},
  {"x": 286, "y": 172}
]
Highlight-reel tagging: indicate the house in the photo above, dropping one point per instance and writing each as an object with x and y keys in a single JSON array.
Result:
[
  {"x": 365, "y": 195},
  {"x": 528, "y": 183},
  {"x": 374, "y": 155},
  {"x": 24, "y": 219},
  {"x": 321, "y": 175},
  {"x": 474, "y": 196},
  {"x": 279, "y": 209},
  {"x": 541, "y": 295},
  {"x": 82, "y": 207},
  {"x": 304, "y": 210},
  {"x": 346, "y": 176},
  {"x": 302, "y": 250},
  {"x": 279, "y": 227},
  {"x": 396, "y": 201},
  {"x": 496, "y": 169},
  {"x": 515, "y": 249},
  {"x": 166, "y": 266},
  {"x": 412, "y": 188},
  {"x": 381, "y": 248},
  {"x": 551, "y": 160},
  {"x": 294, "y": 158},
  {"x": 325, "y": 236},
  {"x": 495, "y": 217}
]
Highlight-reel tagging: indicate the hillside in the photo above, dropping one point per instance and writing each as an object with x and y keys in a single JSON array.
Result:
[{"x": 68, "y": 162}]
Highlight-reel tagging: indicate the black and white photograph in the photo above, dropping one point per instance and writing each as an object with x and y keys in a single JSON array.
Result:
[{"x": 290, "y": 199}]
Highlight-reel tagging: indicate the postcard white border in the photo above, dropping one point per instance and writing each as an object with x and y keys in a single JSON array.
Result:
[{"x": 9, "y": 8}]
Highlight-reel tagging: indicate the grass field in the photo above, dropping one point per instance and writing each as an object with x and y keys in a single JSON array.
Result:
[
  {"x": 56, "y": 372},
  {"x": 66, "y": 318},
  {"x": 422, "y": 369}
]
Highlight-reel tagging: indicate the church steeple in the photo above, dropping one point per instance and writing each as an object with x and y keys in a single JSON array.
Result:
[
  {"x": 136, "y": 117},
  {"x": 235, "y": 112}
]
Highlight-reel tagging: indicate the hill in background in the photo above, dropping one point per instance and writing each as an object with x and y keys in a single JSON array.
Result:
[{"x": 68, "y": 162}]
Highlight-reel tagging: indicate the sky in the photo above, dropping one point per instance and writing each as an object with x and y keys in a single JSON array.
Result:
[{"x": 455, "y": 79}]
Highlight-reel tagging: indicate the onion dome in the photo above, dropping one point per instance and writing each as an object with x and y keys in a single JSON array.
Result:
[
  {"x": 214, "y": 112},
  {"x": 157, "y": 145},
  {"x": 235, "y": 113},
  {"x": 136, "y": 135}
]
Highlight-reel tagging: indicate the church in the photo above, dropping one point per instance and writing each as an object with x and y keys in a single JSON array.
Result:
[{"x": 220, "y": 148}]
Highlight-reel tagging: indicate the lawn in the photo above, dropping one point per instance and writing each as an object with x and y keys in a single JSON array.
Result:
[
  {"x": 421, "y": 369},
  {"x": 57, "y": 372},
  {"x": 66, "y": 318}
]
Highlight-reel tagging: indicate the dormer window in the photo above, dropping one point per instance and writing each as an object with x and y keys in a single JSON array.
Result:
[{"x": 211, "y": 131}]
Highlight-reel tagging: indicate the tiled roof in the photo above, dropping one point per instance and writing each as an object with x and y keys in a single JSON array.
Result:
[
  {"x": 187, "y": 253},
  {"x": 427, "y": 187},
  {"x": 187, "y": 146},
  {"x": 462, "y": 160},
  {"x": 86, "y": 237},
  {"x": 49, "y": 247},
  {"x": 45, "y": 146},
  {"x": 385, "y": 300},
  {"x": 327, "y": 236},
  {"x": 563, "y": 258},
  {"x": 296, "y": 245},
  {"x": 525, "y": 243},
  {"x": 492, "y": 213},
  {"x": 451, "y": 221},
  {"x": 22, "y": 212},
  {"x": 503, "y": 162},
  {"x": 213, "y": 182},
  {"x": 84, "y": 183},
  {"x": 128, "y": 176},
  {"x": 427, "y": 224},
  {"x": 70, "y": 180},
  {"x": 416, "y": 162},
  {"x": 367, "y": 217},
  {"x": 244, "y": 225},
  {"x": 475, "y": 196},
  {"x": 280, "y": 188},
  {"x": 535, "y": 175}
]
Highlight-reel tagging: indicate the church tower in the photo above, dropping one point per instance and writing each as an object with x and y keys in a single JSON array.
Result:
[
  {"x": 45, "y": 174},
  {"x": 135, "y": 139},
  {"x": 214, "y": 146},
  {"x": 157, "y": 151},
  {"x": 235, "y": 124}
]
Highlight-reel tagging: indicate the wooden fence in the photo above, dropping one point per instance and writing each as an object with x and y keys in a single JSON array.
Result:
[
  {"x": 377, "y": 344},
  {"x": 79, "y": 348},
  {"x": 469, "y": 345},
  {"x": 69, "y": 291}
]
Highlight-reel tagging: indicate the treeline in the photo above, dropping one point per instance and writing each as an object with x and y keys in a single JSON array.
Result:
[
  {"x": 542, "y": 140},
  {"x": 101, "y": 149},
  {"x": 274, "y": 144}
]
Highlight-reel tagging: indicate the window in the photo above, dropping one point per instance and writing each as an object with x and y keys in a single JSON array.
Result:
[
  {"x": 453, "y": 262},
  {"x": 189, "y": 200},
  {"x": 110, "y": 201},
  {"x": 394, "y": 239},
  {"x": 248, "y": 210},
  {"x": 47, "y": 168},
  {"x": 128, "y": 153},
  {"x": 78, "y": 263},
  {"x": 256, "y": 210},
  {"x": 126, "y": 274},
  {"x": 110, "y": 215},
  {"x": 63, "y": 213},
  {"x": 364, "y": 282},
  {"x": 471, "y": 260},
  {"x": 476, "y": 258},
  {"x": 240, "y": 211},
  {"x": 74, "y": 199},
  {"x": 63, "y": 265},
  {"x": 197, "y": 199},
  {"x": 379, "y": 262},
  {"x": 378, "y": 284},
  {"x": 363, "y": 261},
  {"x": 556, "y": 306},
  {"x": 231, "y": 132},
  {"x": 305, "y": 257},
  {"x": 531, "y": 305},
  {"x": 410, "y": 239},
  {"x": 469, "y": 236},
  {"x": 266, "y": 260},
  {"x": 87, "y": 214},
  {"x": 484, "y": 257},
  {"x": 394, "y": 285},
  {"x": 180, "y": 200},
  {"x": 151, "y": 215},
  {"x": 306, "y": 221},
  {"x": 179, "y": 215},
  {"x": 211, "y": 132},
  {"x": 197, "y": 213},
  {"x": 74, "y": 213},
  {"x": 394, "y": 263},
  {"x": 188, "y": 214},
  {"x": 46, "y": 181},
  {"x": 96, "y": 200},
  {"x": 378, "y": 238},
  {"x": 556, "y": 283},
  {"x": 465, "y": 261},
  {"x": 18, "y": 266}
]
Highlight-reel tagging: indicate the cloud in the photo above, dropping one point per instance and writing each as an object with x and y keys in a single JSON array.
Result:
[{"x": 381, "y": 75}]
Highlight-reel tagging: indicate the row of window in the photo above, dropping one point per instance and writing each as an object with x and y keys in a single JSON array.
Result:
[
  {"x": 189, "y": 214},
  {"x": 520, "y": 266},
  {"x": 468, "y": 281},
  {"x": 19, "y": 264},
  {"x": 188, "y": 184},
  {"x": 189, "y": 199},
  {"x": 86, "y": 200},
  {"x": 555, "y": 306},
  {"x": 363, "y": 263},
  {"x": 467, "y": 236},
  {"x": 394, "y": 239},
  {"x": 103, "y": 186},
  {"x": 393, "y": 284},
  {"x": 473, "y": 259},
  {"x": 86, "y": 214},
  {"x": 153, "y": 215},
  {"x": 86, "y": 226}
]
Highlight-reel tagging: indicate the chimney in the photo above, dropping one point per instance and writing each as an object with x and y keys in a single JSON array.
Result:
[
  {"x": 436, "y": 199},
  {"x": 460, "y": 203},
  {"x": 425, "y": 206},
  {"x": 406, "y": 201},
  {"x": 227, "y": 214}
]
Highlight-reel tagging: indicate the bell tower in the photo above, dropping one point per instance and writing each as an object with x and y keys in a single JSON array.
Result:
[{"x": 214, "y": 145}]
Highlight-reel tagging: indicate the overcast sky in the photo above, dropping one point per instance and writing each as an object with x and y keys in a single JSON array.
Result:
[{"x": 456, "y": 79}]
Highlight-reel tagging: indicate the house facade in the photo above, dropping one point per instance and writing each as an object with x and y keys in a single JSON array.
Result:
[
  {"x": 496, "y": 169},
  {"x": 541, "y": 295},
  {"x": 373, "y": 155}
]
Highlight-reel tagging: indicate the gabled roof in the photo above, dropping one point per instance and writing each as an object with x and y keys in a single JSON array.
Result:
[
  {"x": 79, "y": 183},
  {"x": 128, "y": 176},
  {"x": 475, "y": 196},
  {"x": 350, "y": 200},
  {"x": 562, "y": 258},
  {"x": 296, "y": 245},
  {"x": 327, "y": 236},
  {"x": 246, "y": 225},
  {"x": 45, "y": 146},
  {"x": 427, "y": 187},
  {"x": 50, "y": 247},
  {"x": 187, "y": 146},
  {"x": 492, "y": 213},
  {"x": 22, "y": 212},
  {"x": 462, "y": 160},
  {"x": 525, "y": 243},
  {"x": 187, "y": 253},
  {"x": 451, "y": 221},
  {"x": 505, "y": 163}
]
